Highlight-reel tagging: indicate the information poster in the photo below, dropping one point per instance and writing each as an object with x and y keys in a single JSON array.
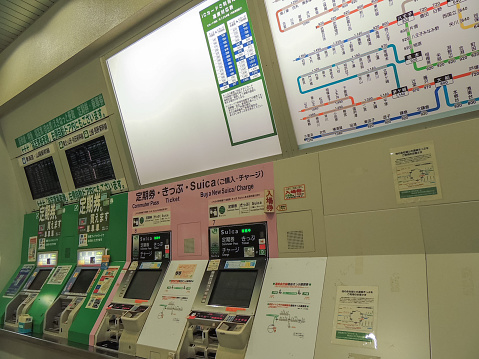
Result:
[
  {"x": 361, "y": 66},
  {"x": 238, "y": 71},
  {"x": 101, "y": 289},
  {"x": 415, "y": 173},
  {"x": 153, "y": 219},
  {"x": 237, "y": 206},
  {"x": 287, "y": 316},
  {"x": 355, "y": 316},
  {"x": 32, "y": 249},
  {"x": 19, "y": 280},
  {"x": 94, "y": 239},
  {"x": 49, "y": 225},
  {"x": 59, "y": 274},
  {"x": 94, "y": 213}
]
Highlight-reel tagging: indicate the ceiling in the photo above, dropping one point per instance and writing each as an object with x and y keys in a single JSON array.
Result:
[{"x": 17, "y": 15}]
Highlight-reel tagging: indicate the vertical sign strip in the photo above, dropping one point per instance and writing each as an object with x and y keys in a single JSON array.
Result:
[{"x": 238, "y": 72}]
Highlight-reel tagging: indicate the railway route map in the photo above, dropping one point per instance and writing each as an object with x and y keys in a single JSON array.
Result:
[{"x": 353, "y": 67}]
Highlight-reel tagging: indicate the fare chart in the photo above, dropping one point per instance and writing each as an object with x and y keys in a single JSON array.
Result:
[{"x": 352, "y": 67}]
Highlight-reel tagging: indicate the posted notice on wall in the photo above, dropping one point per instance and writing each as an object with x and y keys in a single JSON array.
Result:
[
  {"x": 32, "y": 249},
  {"x": 102, "y": 287},
  {"x": 234, "y": 56},
  {"x": 287, "y": 316},
  {"x": 355, "y": 316},
  {"x": 416, "y": 177},
  {"x": 59, "y": 274}
]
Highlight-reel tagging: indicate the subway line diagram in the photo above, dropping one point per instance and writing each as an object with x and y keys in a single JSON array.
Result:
[{"x": 351, "y": 67}]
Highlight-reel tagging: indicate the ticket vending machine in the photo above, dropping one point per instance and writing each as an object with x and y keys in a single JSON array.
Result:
[
  {"x": 219, "y": 325},
  {"x": 25, "y": 269},
  {"x": 126, "y": 315},
  {"x": 62, "y": 313},
  {"x": 22, "y": 302}
]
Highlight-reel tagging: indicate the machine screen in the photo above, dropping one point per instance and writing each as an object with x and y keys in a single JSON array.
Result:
[
  {"x": 238, "y": 241},
  {"x": 40, "y": 278},
  {"x": 42, "y": 178},
  {"x": 151, "y": 246},
  {"x": 47, "y": 259},
  {"x": 90, "y": 163},
  {"x": 90, "y": 257},
  {"x": 142, "y": 284},
  {"x": 82, "y": 283},
  {"x": 233, "y": 288}
]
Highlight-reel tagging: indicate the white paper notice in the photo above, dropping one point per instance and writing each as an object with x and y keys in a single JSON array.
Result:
[
  {"x": 167, "y": 319},
  {"x": 355, "y": 316},
  {"x": 286, "y": 320},
  {"x": 415, "y": 173},
  {"x": 60, "y": 274}
]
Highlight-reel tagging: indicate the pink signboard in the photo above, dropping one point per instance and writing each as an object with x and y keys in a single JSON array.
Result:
[{"x": 189, "y": 207}]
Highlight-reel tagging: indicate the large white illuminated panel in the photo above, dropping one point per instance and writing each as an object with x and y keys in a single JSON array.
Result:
[{"x": 171, "y": 108}]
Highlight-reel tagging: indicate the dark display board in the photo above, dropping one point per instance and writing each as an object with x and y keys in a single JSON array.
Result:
[
  {"x": 142, "y": 284},
  {"x": 238, "y": 241},
  {"x": 151, "y": 246},
  {"x": 40, "y": 278},
  {"x": 42, "y": 178},
  {"x": 83, "y": 281},
  {"x": 233, "y": 288},
  {"x": 90, "y": 163}
]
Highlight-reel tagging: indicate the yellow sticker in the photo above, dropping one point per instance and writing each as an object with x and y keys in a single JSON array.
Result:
[{"x": 214, "y": 264}]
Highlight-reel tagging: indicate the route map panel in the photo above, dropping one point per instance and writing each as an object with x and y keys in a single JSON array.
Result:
[{"x": 352, "y": 67}]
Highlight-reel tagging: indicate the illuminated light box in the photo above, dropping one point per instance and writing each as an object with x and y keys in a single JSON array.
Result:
[
  {"x": 192, "y": 95},
  {"x": 354, "y": 68}
]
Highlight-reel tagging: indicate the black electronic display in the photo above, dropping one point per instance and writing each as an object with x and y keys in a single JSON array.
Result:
[
  {"x": 83, "y": 281},
  {"x": 238, "y": 241},
  {"x": 40, "y": 278},
  {"x": 233, "y": 288},
  {"x": 42, "y": 178},
  {"x": 151, "y": 246},
  {"x": 142, "y": 284},
  {"x": 90, "y": 163}
]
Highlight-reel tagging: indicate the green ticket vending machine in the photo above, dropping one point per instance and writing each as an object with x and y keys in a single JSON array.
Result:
[
  {"x": 65, "y": 243},
  {"x": 61, "y": 314},
  {"x": 23, "y": 301},
  {"x": 104, "y": 229},
  {"x": 25, "y": 269}
]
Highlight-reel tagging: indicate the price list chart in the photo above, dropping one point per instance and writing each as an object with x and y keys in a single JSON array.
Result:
[
  {"x": 243, "y": 47},
  {"x": 222, "y": 58},
  {"x": 238, "y": 73},
  {"x": 352, "y": 67}
]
